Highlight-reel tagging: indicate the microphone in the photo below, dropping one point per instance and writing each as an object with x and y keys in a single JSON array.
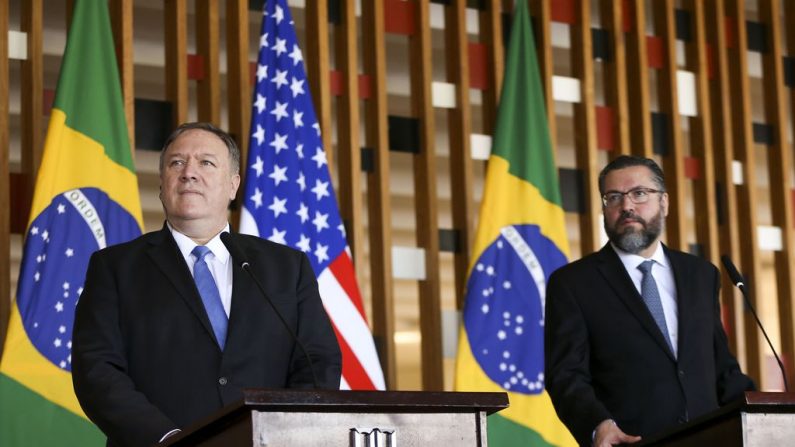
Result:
[
  {"x": 237, "y": 254},
  {"x": 739, "y": 282}
]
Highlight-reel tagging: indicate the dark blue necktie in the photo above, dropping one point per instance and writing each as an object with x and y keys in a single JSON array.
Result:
[
  {"x": 209, "y": 293},
  {"x": 651, "y": 296}
]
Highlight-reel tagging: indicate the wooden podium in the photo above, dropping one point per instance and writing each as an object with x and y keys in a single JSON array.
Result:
[
  {"x": 757, "y": 420},
  {"x": 347, "y": 418}
]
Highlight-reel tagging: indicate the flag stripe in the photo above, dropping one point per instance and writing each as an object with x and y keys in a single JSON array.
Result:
[
  {"x": 352, "y": 370},
  {"x": 342, "y": 268},
  {"x": 346, "y": 318}
]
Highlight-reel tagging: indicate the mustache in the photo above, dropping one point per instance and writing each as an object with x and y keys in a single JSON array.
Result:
[{"x": 626, "y": 215}]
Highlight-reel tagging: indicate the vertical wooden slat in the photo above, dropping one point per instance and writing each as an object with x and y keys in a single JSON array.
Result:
[
  {"x": 349, "y": 163},
  {"x": 640, "y": 133},
  {"x": 207, "y": 37},
  {"x": 701, "y": 146},
  {"x": 317, "y": 64},
  {"x": 541, "y": 10},
  {"x": 5, "y": 198},
  {"x": 378, "y": 198},
  {"x": 238, "y": 78},
  {"x": 585, "y": 127},
  {"x": 742, "y": 118},
  {"x": 491, "y": 35},
  {"x": 615, "y": 73},
  {"x": 673, "y": 160},
  {"x": 723, "y": 148},
  {"x": 32, "y": 86},
  {"x": 176, "y": 43},
  {"x": 779, "y": 165},
  {"x": 121, "y": 17},
  {"x": 460, "y": 128},
  {"x": 238, "y": 86},
  {"x": 425, "y": 199}
]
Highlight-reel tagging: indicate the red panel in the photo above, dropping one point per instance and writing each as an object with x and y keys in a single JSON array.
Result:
[
  {"x": 365, "y": 86},
  {"x": 563, "y": 11},
  {"x": 654, "y": 48},
  {"x": 478, "y": 75},
  {"x": 399, "y": 17},
  {"x": 692, "y": 168},
  {"x": 626, "y": 11},
  {"x": 195, "y": 67},
  {"x": 710, "y": 61},
  {"x": 605, "y": 139},
  {"x": 730, "y": 24},
  {"x": 252, "y": 73},
  {"x": 336, "y": 83},
  {"x": 47, "y": 98}
]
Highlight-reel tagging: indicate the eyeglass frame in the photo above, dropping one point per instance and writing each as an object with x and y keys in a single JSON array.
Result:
[{"x": 629, "y": 193}]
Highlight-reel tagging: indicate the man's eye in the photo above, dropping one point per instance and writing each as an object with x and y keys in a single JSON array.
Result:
[
  {"x": 615, "y": 197},
  {"x": 177, "y": 162},
  {"x": 639, "y": 193}
]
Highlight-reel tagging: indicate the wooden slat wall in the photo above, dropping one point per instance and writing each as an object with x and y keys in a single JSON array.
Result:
[
  {"x": 459, "y": 129},
  {"x": 713, "y": 213},
  {"x": 779, "y": 167},
  {"x": 426, "y": 207},
  {"x": 5, "y": 195},
  {"x": 379, "y": 209},
  {"x": 744, "y": 152},
  {"x": 723, "y": 151}
]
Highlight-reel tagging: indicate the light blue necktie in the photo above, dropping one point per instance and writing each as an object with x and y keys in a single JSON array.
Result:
[
  {"x": 651, "y": 296},
  {"x": 209, "y": 293}
]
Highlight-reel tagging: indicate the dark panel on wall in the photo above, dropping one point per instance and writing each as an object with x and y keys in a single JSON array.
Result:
[
  {"x": 571, "y": 190},
  {"x": 756, "y": 36},
  {"x": 152, "y": 123},
  {"x": 601, "y": 44},
  {"x": 683, "y": 28},
  {"x": 659, "y": 128},
  {"x": 404, "y": 134},
  {"x": 763, "y": 134},
  {"x": 448, "y": 240}
]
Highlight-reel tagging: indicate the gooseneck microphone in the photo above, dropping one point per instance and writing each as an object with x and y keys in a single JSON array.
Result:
[
  {"x": 739, "y": 282},
  {"x": 237, "y": 254}
]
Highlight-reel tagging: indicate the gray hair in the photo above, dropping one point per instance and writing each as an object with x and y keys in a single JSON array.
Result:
[
  {"x": 234, "y": 151},
  {"x": 628, "y": 161}
]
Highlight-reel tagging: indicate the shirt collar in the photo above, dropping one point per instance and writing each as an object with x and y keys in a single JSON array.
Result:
[
  {"x": 186, "y": 244},
  {"x": 632, "y": 261}
]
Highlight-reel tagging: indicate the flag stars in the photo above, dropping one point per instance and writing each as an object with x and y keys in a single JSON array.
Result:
[
  {"x": 279, "y": 143},
  {"x": 280, "y": 111},
  {"x": 61, "y": 208},
  {"x": 69, "y": 252},
  {"x": 316, "y": 126},
  {"x": 257, "y": 198},
  {"x": 506, "y": 285},
  {"x": 278, "y": 236},
  {"x": 341, "y": 227},
  {"x": 321, "y": 252},
  {"x": 501, "y": 334},
  {"x": 262, "y": 72},
  {"x": 66, "y": 286},
  {"x": 59, "y": 306},
  {"x": 299, "y": 149},
  {"x": 280, "y": 79},
  {"x": 278, "y": 15},
  {"x": 260, "y": 103},
  {"x": 280, "y": 46},
  {"x": 484, "y": 308},
  {"x": 301, "y": 181},
  {"x": 259, "y": 135},
  {"x": 263, "y": 41},
  {"x": 296, "y": 55},
  {"x": 79, "y": 291},
  {"x": 57, "y": 342},
  {"x": 62, "y": 329},
  {"x": 279, "y": 206},
  {"x": 39, "y": 259},
  {"x": 304, "y": 244},
  {"x": 303, "y": 213},
  {"x": 36, "y": 276},
  {"x": 45, "y": 235},
  {"x": 320, "y": 221},
  {"x": 298, "y": 121},
  {"x": 490, "y": 271},
  {"x": 297, "y": 87},
  {"x": 279, "y": 174},
  {"x": 258, "y": 166},
  {"x": 319, "y": 157},
  {"x": 320, "y": 189},
  {"x": 34, "y": 230}
]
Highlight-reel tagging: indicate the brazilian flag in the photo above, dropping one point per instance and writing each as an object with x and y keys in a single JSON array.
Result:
[
  {"x": 520, "y": 241},
  {"x": 86, "y": 198}
]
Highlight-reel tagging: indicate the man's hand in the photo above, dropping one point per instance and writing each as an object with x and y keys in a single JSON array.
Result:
[{"x": 608, "y": 434}]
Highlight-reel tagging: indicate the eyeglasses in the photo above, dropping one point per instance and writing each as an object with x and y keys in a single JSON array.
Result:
[{"x": 636, "y": 196}]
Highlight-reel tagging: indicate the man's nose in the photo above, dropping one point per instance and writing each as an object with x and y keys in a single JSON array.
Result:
[{"x": 189, "y": 171}]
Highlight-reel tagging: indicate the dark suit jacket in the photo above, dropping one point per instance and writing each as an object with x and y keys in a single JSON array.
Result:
[
  {"x": 606, "y": 358},
  {"x": 144, "y": 357}
]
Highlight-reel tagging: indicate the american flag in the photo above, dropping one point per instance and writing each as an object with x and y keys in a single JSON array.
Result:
[{"x": 289, "y": 198}]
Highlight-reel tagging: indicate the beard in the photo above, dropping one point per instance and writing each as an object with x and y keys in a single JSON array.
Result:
[{"x": 633, "y": 240}]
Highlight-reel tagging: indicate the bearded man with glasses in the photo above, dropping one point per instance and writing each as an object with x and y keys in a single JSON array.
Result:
[{"x": 634, "y": 343}]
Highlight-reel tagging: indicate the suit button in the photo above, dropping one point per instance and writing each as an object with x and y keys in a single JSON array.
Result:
[
  {"x": 223, "y": 381},
  {"x": 681, "y": 373}
]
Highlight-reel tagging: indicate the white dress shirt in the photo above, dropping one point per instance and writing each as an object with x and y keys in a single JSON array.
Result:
[
  {"x": 218, "y": 261},
  {"x": 664, "y": 277}
]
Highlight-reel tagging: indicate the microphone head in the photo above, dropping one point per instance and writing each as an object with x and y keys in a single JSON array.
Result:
[{"x": 735, "y": 275}]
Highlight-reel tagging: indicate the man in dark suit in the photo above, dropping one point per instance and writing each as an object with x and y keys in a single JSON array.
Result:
[
  {"x": 169, "y": 328},
  {"x": 633, "y": 337}
]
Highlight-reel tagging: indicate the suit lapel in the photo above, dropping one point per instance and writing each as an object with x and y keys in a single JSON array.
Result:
[
  {"x": 684, "y": 294},
  {"x": 166, "y": 256},
  {"x": 244, "y": 294},
  {"x": 612, "y": 269}
]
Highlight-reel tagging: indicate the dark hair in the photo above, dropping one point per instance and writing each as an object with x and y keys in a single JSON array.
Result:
[
  {"x": 234, "y": 151},
  {"x": 628, "y": 161}
]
